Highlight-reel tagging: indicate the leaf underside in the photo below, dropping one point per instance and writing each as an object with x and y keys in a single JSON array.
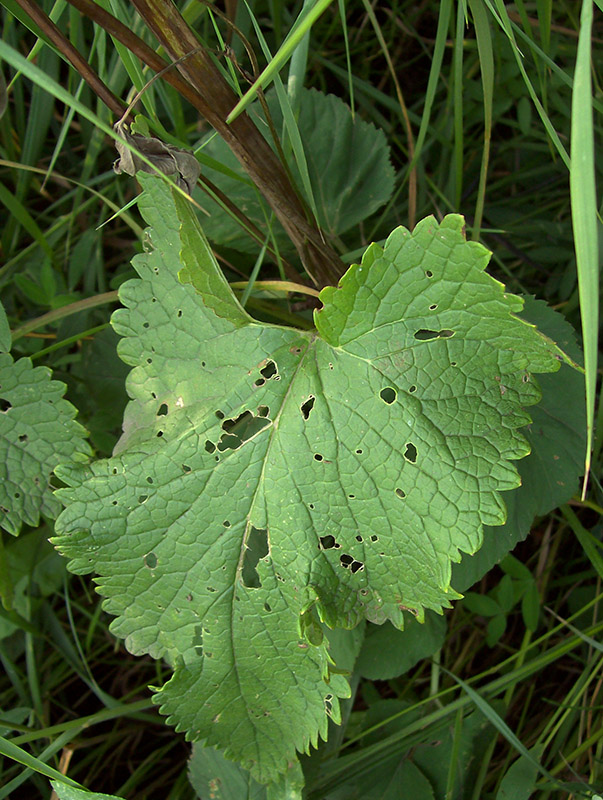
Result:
[{"x": 268, "y": 478}]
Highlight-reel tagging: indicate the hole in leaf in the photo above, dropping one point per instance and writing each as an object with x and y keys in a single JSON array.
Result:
[
  {"x": 412, "y": 389},
  {"x": 426, "y": 335},
  {"x": 433, "y": 306},
  {"x": 220, "y": 414},
  {"x": 4, "y": 404},
  {"x": 203, "y": 363},
  {"x": 149, "y": 360},
  {"x": 153, "y": 395},
  {"x": 388, "y": 395},
  {"x": 179, "y": 314},
  {"x": 346, "y": 560},
  {"x": 23, "y": 437},
  {"x": 359, "y": 538},
  {"x": 269, "y": 371},
  {"x": 149, "y": 479},
  {"x": 256, "y": 547},
  {"x": 267, "y": 607},
  {"x": 428, "y": 273},
  {"x": 525, "y": 378},
  {"x": 411, "y": 453},
  {"x": 226, "y": 523},
  {"x": 453, "y": 363},
  {"x": 150, "y": 560},
  {"x": 356, "y": 566},
  {"x": 259, "y": 382},
  {"x": 401, "y": 493},
  {"x": 143, "y": 498},
  {"x": 263, "y": 411},
  {"x": 318, "y": 457},
  {"x": 374, "y": 538},
  {"x": 327, "y": 542},
  {"x": 160, "y": 433},
  {"x": 209, "y": 446},
  {"x": 186, "y": 468},
  {"x": 351, "y": 496},
  {"x": 163, "y": 410},
  {"x": 145, "y": 324},
  {"x": 307, "y": 406},
  {"x": 359, "y": 452},
  {"x": 241, "y": 429}
]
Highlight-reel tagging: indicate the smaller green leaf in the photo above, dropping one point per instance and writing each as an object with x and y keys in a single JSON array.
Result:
[
  {"x": 5, "y": 337},
  {"x": 212, "y": 775},
  {"x": 520, "y": 779},
  {"x": 348, "y": 163},
  {"x": 530, "y": 607},
  {"x": 481, "y": 604},
  {"x": 388, "y": 652},
  {"x": 495, "y": 629}
]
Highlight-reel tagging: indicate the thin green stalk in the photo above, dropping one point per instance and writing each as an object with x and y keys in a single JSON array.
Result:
[{"x": 64, "y": 311}]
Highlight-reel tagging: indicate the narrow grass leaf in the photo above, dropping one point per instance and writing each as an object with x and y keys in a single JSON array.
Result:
[
  {"x": 302, "y": 25},
  {"x": 501, "y": 726},
  {"x": 584, "y": 217},
  {"x": 483, "y": 35},
  {"x": 21, "y": 756}
]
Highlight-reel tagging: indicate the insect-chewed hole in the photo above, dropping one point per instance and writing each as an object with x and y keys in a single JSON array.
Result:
[
  {"x": 318, "y": 457},
  {"x": 388, "y": 395},
  {"x": 162, "y": 410},
  {"x": 150, "y": 560},
  {"x": 220, "y": 414},
  {"x": 241, "y": 429},
  {"x": 401, "y": 493},
  {"x": 226, "y": 523},
  {"x": 256, "y": 547},
  {"x": 209, "y": 446},
  {"x": 327, "y": 542},
  {"x": 433, "y": 306},
  {"x": 426, "y": 335},
  {"x": 269, "y": 371},
  {"x": 23, "y": 437},
  {"x": 346, "y": 560},
  {"x": 186, "y": 468},
  {"x": 356, "y": 566},
  {"x": 411, "y": 453},
  {"x": 359, "y": 451},
  {"x": 307, "y": 406},
  {"x": 428, "y": 273},
  {"x": 359, "y": 538},
  {"x": 374, "y": 537},
  {"x": 412, "y": 389}
]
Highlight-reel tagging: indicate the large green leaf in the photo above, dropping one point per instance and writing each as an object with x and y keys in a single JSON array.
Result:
[
  {"x": 557, "y": 438},
  {"x": 348, "y": 162},
  {"x": 269, "y": 477},
  {"x": 37, "y": 431}
]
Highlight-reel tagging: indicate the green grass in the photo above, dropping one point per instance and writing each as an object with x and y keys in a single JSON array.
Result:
[{"x": 493, "y": 119}]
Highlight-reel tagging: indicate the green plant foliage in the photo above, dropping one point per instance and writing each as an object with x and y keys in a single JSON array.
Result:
[
  {"x": 270, "y": 479},
  {"x": 37, "y": 431},
  {"x": 348, "y": 164},
  {"x": 520, "y": 779},
  {"x": 212, "y": 775},
  {"x": 442, "y": 765},
  {"x": 388, "y": 652},
  {"x": 30, "y": 561}
]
